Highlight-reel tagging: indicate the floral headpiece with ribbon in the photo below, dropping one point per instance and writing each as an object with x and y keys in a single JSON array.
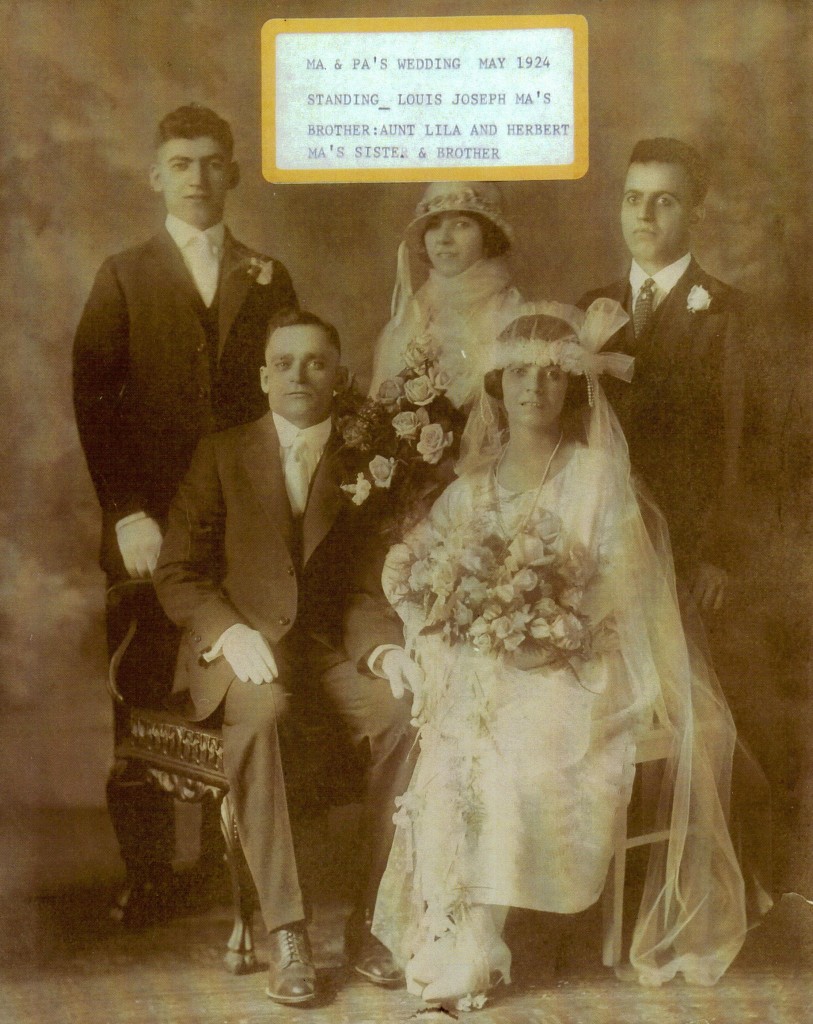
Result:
[
  {"x": 547, "y": 334},
  {"x": 538, "y": 334}
]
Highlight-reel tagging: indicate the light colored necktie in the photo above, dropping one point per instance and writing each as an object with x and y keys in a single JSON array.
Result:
[
  {"x": 297, "y": 474},
  {"x": 644, "y": 304},
  {"x": 203, "y": 263}
]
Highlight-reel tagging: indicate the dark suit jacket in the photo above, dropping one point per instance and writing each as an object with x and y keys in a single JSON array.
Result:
[
  {"x": 148, "y": 383},
  {"x": 230, "y": 555},
  {"x": 682, "y": 413}
]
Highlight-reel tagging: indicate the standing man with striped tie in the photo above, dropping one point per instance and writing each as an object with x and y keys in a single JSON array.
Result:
[
  {"x": 168, "y": 349},
  {"x": 682, "y": 413}
]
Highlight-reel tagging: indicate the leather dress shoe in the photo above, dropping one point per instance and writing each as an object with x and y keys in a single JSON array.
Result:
[
  {"x": 291, "y": 974},
  {"x": 370, "y": 958}
]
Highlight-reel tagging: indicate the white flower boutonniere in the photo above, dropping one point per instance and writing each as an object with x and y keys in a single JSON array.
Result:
[
  {"x": 261, "y": 270},
  {"x": 698, "y": 299},
  {"x": 360, "y": 490}
]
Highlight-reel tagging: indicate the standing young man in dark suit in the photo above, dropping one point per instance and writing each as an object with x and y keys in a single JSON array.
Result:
[
  {"x": 682, "y": 413},
  {"x": 166, "y": 351},
  {"x": 259, "y": 567}
]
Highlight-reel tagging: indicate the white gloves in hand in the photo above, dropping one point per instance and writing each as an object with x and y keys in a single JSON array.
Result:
[
  {"x": 139, "y": 544},
  {"x": 249, "y": 655},
  {"x": 404, "y": 674}
]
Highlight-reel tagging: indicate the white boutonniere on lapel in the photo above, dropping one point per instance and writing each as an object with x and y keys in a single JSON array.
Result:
[
  {"x": 359, "y": 491},
  {"x": 261, "y": 270},
  {"x": 698, "y": 300}
]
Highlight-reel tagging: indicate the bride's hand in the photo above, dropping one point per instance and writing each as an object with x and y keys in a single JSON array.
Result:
[{"x": 402, "y": 672}]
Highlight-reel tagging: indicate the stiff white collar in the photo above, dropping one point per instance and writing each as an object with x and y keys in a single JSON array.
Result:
[
  {"x": 316, "y": 437},
  {"x": 182, "y": 233},
  {"x": 665, "y": 280}
]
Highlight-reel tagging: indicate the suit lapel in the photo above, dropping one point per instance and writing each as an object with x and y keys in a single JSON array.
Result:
[
  {"x": 261, "y": 460},
  {"x": 172, "y": 274},
  {"x": 324, "y": 501},
  {"x": 235, "y": 282},
  {"x": 675, "y": 325}
]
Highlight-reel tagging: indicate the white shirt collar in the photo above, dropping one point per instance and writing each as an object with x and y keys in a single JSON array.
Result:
[
  {"x": 665, "y": 280},
  {"x": 316, "y": 437},
  {"x": 182, "y": 233}
]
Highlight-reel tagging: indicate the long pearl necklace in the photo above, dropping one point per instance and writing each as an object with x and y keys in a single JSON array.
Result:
[{"x": 521, "y": 528}]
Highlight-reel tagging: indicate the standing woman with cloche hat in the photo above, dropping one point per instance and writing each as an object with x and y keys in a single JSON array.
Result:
[{"x": 460, "y": 230}]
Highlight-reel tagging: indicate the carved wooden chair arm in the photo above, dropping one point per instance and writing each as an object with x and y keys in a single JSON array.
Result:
[{"x": 115, "y": 593}]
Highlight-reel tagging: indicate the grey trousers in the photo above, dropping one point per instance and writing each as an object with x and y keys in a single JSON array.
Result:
[{"x": 255, "y": 720}]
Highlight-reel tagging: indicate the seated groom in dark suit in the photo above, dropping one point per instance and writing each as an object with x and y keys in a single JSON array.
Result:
[
  {"x": 167, "y": 350},
  {"x": 258, "y": 567},
  {"x": 682, "y": 413}
]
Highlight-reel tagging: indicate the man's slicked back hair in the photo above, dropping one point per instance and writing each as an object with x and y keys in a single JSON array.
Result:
[
  {"x": 673, "y": 151},
  {"x": 195, "y": 122},
  {"x": 293, "y": 317}
]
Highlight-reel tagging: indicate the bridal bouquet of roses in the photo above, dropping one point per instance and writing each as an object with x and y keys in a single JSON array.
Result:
[
  {"x": 474, "y": 587},
  {"x": 395, "y": 443}
]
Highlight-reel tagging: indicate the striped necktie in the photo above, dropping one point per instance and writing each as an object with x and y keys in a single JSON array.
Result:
[{"x": 644, "y": 304}]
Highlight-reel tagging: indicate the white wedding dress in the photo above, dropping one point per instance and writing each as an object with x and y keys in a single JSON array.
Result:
[{"x": 521, "y": 773}]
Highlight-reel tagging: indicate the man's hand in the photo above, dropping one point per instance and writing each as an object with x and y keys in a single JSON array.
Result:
[
  {"x": 139, "y": 544},
  {"x": 404, "y": 674},
  {"x": 249, "y": 655},
  {"x": 710, "y": 587}
]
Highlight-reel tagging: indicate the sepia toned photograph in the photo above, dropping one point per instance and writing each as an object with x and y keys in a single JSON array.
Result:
[{"x": 407, "y": 577}]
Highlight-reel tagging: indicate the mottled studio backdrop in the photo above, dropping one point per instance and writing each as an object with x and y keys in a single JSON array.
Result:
[{"x": 84, "y": 85}]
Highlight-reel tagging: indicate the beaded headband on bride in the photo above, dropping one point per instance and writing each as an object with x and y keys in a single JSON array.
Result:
[{"x": 539, "y": 335}]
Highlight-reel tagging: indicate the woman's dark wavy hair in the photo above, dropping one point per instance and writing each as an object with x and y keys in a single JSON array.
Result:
[
  {"x": 495, "y": 242},
  {"x": 545, "y": 328}
]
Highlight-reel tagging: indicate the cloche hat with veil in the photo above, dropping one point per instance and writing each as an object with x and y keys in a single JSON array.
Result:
[
  {"x": 481, "y": 198},
  {"x": 463, "y": 311}
]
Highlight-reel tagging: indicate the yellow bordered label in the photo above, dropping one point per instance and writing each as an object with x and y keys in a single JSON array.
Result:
[{"x": 424, "y": 99}]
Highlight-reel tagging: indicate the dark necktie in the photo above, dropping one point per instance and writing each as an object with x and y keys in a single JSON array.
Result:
[{"x": 642, "y": 314}]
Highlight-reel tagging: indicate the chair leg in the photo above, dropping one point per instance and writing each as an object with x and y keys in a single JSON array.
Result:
[
  {"x": 613, "y": 899},
  {"x": 240, "y": 956},
  {"x": 143, "y": 820}
]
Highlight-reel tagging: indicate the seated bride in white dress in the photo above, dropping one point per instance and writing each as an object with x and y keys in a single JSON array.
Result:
[{"x": 540, "y": 604}]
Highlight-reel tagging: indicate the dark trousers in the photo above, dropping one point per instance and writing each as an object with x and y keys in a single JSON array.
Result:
[
  {"x": 143, "y": 816},
  {"x": 263, "y": 728}
]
